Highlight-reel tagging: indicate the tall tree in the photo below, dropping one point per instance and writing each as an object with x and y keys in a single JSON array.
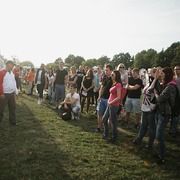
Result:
[
  {"x": 57, "y": 60},
  {"x": 26, "y": 63},
  {"x": 145, "y": 59},
  {"x": 90, "y": 63},
  {"x": 176, "y": 59},
  {"x": 124, "y": 58},
  {"x": 103, "y": 60}
]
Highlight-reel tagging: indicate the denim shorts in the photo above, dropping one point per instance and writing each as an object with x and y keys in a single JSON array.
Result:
[
  {"x": 102, "y": 106},
  {"x": 133, "y": 103}
]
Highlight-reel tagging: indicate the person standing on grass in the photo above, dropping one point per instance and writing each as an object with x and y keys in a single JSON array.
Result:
[
  {"x": 165, "y": 103},
  {"x": 60, "y": 81},
  {"x": 175, "y": 117},
  {"x": 72, "y": 79},
  {"x": 87, "y": 89},
  {"x": 30, "y": 80},
  {"x": 97, "y": 84},
  {"x": 113, "y": 106},
  {"x": 16, "y": 72},
  {"x": 41, "y": 82},
  {"x": 80, "y": 73},
  {"x": 133, "y": 98},
  {"x": 104, "y": 95},
  {"x": 149, "y": 110},
  {"x": 50, "y": 80},
  {"x": 8, "y": 90}
]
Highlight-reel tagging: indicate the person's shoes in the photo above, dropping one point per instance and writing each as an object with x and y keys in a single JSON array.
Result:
[
  {"x": 147, "y": 148},
  {"x": 54, "y": 107},
  {"x": 72, "y": 116},
  {"x": 160, "y": 162},
  {"x": 39, "y": 101},
  {"x": 173, "y": 134},
  {"x": 104, "y": 137},
  {"x": 125, "y": 123},
  {"x": 13, "y": 124},
  {"x": 113, "y": 140},
  {"x": 77, "y": 116},
  {"x": 136, "y": 126},
  {"x": 156, "y": 156},
  {"x": 135, "y": 142},
  {"x": 97, "y": 130}
]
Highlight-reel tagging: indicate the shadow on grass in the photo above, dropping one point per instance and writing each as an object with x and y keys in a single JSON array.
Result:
[
  {"x": 172, "y": 165},
  {"x": 28, "y": 151}
]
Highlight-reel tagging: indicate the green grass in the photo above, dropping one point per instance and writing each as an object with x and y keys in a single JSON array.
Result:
[{"x": 43, "y": 146}]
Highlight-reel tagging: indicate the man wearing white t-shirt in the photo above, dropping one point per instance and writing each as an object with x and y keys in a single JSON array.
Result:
[
  {"x": 72, "y": 99},
  {"x": 8, "y": 90}
]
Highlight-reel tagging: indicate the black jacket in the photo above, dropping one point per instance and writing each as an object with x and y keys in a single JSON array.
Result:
[
  {"x": 43, "y": 77},
  {"x": 166, "y": 100}
]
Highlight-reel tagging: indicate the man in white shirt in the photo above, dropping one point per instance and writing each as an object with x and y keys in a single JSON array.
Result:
[
  {"x": 8, "y": 90},
  {"x": 72, "y": 99}
]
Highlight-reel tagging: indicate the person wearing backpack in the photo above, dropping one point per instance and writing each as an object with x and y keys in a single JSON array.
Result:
[{"x": 165, "y": 103}]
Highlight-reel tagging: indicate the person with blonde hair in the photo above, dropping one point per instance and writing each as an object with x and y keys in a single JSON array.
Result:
[
  {"x": 124, "y": 79},
  {"x": 72, "y": 79}
]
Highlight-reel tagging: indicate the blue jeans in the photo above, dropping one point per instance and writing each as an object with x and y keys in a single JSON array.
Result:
[
  {"x": 111, "y": 114},
  {"x": 174, "y": 124},
  {"x": 148, "y": 119},
  {"x": 60, "y": 92},
  {"x": 161, "y": 122},
  {"x": 102, "y": 106}
]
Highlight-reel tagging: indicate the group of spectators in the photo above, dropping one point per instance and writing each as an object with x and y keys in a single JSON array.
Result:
[{"x": 110, "y": 90}]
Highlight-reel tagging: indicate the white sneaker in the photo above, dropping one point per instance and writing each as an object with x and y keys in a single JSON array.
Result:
[
  {"x": 72, "y": 116},
  {"x": 39, "y": 101}
]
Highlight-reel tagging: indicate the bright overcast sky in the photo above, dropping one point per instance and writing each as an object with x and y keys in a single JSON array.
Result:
[{"x": 43, "y": 30}]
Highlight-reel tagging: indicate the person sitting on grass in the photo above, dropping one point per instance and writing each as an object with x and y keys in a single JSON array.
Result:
[{"x": 72, "y": 101}]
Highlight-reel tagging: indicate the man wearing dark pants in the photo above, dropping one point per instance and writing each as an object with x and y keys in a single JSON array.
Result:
[
  {"x": 104, "y": 95},
  {"x": 8, "y": 90},
  {"x": 60, "y": 82},
  {"x": 41, "y": 82}
]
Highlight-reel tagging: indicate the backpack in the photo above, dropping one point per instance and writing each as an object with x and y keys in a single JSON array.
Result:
[
  {"x": 65, "y": 114},
  {"x": 176, "y": 108}
]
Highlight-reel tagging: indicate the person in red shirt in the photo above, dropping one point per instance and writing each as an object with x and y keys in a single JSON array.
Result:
[{"x": 8, "y": 90}]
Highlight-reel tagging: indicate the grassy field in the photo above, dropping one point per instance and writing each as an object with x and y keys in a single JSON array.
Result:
[{"x": 43, "y": 146}]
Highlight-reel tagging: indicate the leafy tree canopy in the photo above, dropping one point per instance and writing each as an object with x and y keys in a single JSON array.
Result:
[{"x": 26, "y": 63}]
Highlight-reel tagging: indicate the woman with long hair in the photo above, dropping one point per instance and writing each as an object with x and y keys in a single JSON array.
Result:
[
  {"x": 165, "y": 103},
  {"x": 50, "y": 80},
  {"x": 113, "y": 106},
  {"x": 72, "y": 79},
  {"x": 87, "y": 89}
]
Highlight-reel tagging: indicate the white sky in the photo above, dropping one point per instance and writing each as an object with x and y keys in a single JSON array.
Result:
[{"x": 43, "y": 30}]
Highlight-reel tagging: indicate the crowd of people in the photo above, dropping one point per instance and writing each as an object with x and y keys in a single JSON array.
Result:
[{"x": 154, "y": 100}]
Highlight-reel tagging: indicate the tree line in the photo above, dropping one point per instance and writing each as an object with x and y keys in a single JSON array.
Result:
[{"x": 144, "y": 59}]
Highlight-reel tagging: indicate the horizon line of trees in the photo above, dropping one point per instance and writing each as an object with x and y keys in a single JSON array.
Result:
[{"x": 144, "y": 59}]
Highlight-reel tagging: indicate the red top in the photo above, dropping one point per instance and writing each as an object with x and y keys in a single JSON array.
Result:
[{"x": 2, "y": 74}]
